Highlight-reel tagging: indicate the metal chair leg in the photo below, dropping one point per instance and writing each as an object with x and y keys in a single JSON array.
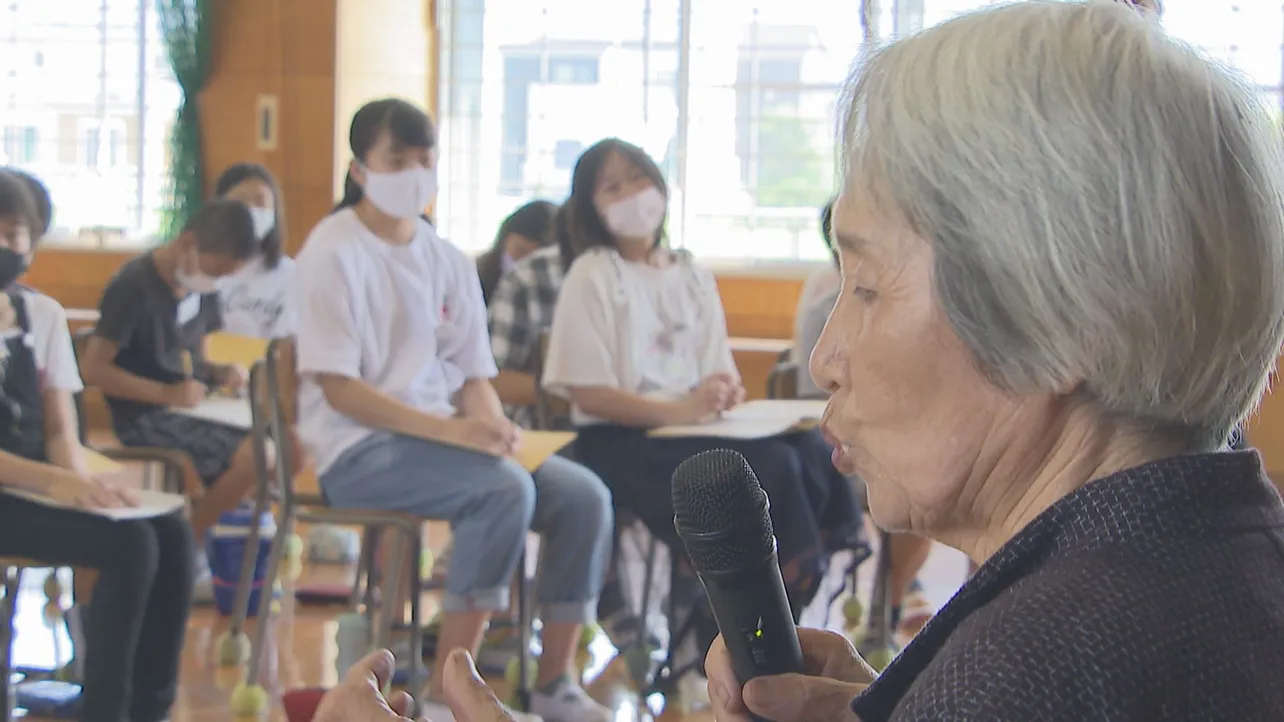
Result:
[
  {"x": 525, "y": 621},
  {"x": 12, "y": 578},
  {"x": 415, "y": 681}
]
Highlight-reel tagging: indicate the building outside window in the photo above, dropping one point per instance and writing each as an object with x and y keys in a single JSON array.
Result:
[
  {"x": 87, "y": 100},
  {"x": 736, "y": 99}
]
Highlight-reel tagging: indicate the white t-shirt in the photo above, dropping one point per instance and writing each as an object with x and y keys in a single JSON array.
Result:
[
  {"x": 409, "y": 320},
  {"x": 51, "y": 343},
  {"x": 819, "y": 293},
  {"x": 652, "y": 331},
  {"x": 258, "y": 301}
]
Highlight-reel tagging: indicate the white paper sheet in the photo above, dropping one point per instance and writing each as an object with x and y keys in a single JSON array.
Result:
[
  {"x": 223, "y": 410},
  {"x": 760, "y": 419},
  {"x": 150, "y": 504}
]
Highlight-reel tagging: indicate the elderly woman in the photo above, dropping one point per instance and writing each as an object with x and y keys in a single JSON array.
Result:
[
  {"x": 1062, "y": 241},
  {"x": 1062, "y": 246}
]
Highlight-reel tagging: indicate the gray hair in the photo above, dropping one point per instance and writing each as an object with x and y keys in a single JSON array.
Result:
[{"x": 1105, "y": 206}]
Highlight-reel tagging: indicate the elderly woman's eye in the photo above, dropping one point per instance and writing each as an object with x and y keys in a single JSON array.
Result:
[{"x": 864, "y": 294}]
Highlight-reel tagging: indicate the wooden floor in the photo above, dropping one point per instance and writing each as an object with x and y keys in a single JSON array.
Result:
[{"x": 304, "y": 648}]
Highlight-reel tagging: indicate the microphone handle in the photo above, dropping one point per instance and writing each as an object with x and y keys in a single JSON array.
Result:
[{"x": 753, "y": 615}]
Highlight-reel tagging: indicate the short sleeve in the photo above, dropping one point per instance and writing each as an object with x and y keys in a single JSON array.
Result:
[
  {"x": 716, "y": 355},
  {"x": 119, "y": 310},
  {"x": 810, "y": 321},
  {"x": 53, "y": 345},
  {"x": 472, "y": 355},
  {"x": 327, "y": 334},
  {"x": 512, "y": 340},
  {"x": 582, "y": 336}
]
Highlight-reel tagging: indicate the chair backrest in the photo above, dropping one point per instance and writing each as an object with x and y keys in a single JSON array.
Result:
[
  {"x": 782, "y": 382},
  {"x": 549, "y": 409},
  {"x": 275, "y": 388}
]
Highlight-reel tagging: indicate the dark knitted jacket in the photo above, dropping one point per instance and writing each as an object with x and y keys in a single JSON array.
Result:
[{"x": 1156, "y": 593}]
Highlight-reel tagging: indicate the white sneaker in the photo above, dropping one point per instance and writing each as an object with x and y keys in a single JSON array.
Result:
[{"x": 569, "y": 703}]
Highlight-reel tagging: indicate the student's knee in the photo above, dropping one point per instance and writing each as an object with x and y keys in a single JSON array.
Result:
[
  {"x": 137, "y": 551},
  {"x": 585, "y": 500},
  {"x": 513, "y": 492}
]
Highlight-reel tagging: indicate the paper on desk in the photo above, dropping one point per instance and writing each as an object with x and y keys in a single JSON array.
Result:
[
  {"x": 753, "y": 420},
  {"x": 223, "y": 410},
  {"x": 150, "y": 504},
  {"x": 539, "y": 446}
]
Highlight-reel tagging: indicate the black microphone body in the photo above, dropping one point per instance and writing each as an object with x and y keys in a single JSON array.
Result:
[{"x": 721, "y": 515}]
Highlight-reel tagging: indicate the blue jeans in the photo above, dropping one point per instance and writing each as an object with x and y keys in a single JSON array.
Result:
[{"x": 490, "y": 503}]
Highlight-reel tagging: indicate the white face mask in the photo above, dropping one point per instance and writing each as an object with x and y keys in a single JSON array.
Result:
[
  {"x": 403, "y": 194},
  {"x": 264, "y": 221},
  {"x": 638, "y": 216},
  {"x": 194, "y": 281}
]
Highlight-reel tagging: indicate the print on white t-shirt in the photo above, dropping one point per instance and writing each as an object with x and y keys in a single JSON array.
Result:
[
  {"x": 652, "y": 331},
  {"x": 409, "y": 320},
  {"x": 258, "y": 301}
]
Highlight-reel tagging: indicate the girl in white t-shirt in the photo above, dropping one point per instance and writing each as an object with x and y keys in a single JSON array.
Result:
[
  {"x": 257, "y": 301},
  {"x": 638, "y": 341},
  {"x": 396, "y": 406}
]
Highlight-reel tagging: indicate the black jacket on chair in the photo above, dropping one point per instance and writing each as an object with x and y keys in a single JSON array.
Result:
[{"x": 1156, "y": 593}]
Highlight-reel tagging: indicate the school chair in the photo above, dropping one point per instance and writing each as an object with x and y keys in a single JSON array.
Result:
[
  {"x": 11, "y": 573},
  {"x": 274, "y": 385},
  {"x": 553, "y": 412},
  {"x": 782, "y": 381}
]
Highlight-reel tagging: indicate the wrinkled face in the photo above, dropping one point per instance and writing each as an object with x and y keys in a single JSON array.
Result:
[{"x": 910, "y": 413}]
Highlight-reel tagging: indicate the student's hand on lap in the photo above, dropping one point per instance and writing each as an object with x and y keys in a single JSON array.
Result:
[
  {"x": 90, "y": 492},
  {"x": 187, "y": 394},
  {"x": 484, "y": 435},
  {"x": 706, "y": 400}
]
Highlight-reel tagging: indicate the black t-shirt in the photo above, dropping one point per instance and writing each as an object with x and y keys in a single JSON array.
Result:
[{"x": 140, "y": 312}]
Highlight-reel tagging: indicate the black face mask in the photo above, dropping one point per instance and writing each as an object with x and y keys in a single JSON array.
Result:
[{"x": 12, "y": 266}]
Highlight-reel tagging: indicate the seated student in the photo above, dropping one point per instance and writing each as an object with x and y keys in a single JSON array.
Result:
[
  {"x": 639, "y": 340},
  {"x": 144, "y": 586},
  {"x": 257, "y": 301},
  {"x": 146, "y": 354},
  {"x": 910, "y": 608},
  {"x": 396, "y": 405},
  {"x": 523, "y": 232},
  {"x": 519, "y": 312}
]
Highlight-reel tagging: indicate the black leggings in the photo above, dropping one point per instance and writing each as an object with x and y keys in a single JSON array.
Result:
[{"x": 139, "y": 612}]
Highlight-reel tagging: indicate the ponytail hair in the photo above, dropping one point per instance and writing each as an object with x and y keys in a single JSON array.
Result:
[{"x": 409, "y": 127}]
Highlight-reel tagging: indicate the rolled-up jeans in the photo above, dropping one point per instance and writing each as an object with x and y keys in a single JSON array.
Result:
[{"x": 490, "y": 503}]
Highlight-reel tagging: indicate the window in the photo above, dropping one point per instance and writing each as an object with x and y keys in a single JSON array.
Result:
[
  {"x": 20, "y": 143},
  {"x": 735, "y": 99},
  {"x": 87, "y": 99}
]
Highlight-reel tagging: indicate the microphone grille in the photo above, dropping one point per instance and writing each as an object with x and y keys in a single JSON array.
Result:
[{"x": 721, "y": 512}]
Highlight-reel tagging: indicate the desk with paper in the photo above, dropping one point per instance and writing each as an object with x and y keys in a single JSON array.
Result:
[
  {"x": 753, "y": 420},
  {"x": 224, "y": 410}
]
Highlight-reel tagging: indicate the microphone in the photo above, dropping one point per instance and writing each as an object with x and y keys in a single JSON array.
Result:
[{"x": 720, "y": 512}]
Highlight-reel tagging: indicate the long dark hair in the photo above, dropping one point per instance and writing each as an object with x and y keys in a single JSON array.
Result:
[
  {"x": 410, "y": 128},
  {"x": 236, "y": 174},
  {"x": 533, "y": 221},
  {"x": 584, "y": 225}
]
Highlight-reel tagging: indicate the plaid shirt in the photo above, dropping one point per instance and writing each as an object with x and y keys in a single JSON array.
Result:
[{"x": 521, "y": 309}]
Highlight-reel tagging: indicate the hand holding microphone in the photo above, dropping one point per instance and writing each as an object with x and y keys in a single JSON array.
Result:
[{"x": 787, "y": 674}]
